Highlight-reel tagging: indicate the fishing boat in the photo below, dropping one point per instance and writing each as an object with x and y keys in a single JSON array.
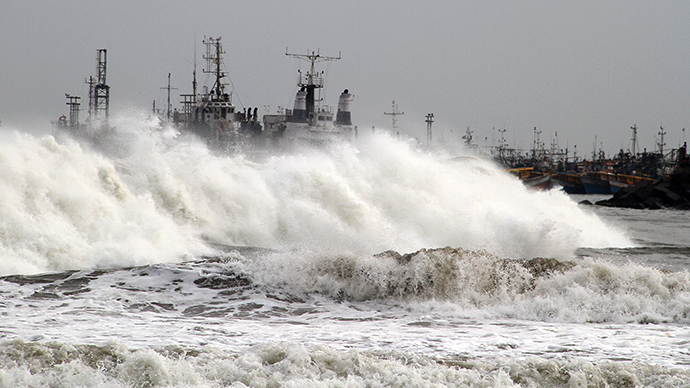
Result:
[
  {"x": 596, "y": 182},
  {"x": 570, "y": 182},
  {"x": 621, "y": 181},
  {"x": 539, "y": 182},
  {"x": 533, "y": 179}
]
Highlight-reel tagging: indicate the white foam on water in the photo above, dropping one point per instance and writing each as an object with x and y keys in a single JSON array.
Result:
[
  {"x": 288, "y": 364},
  {"x": 479, "y": 285},
  {"x": 149, "y": 195}
]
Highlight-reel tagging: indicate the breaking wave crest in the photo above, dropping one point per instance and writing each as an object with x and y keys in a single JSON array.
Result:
[
  {"x": 478, "y": 284},
  {"x": 294, "y": 365},
  {"x": 148, "y": 195}
]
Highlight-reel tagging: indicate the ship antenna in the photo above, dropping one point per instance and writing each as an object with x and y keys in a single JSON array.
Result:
[
  {"x": 214, "y": 60},
  {"x": 168, "y": 88},
  {"x": 429, "y": 120},
  {"x": 312, "y": 80},
  {"x": 194, "y": 79},
  {"x": 394, "y": 113}
]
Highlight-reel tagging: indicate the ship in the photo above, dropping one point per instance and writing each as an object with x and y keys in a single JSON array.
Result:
[
  {"x": 310, "y": 122},
  {"x": 211, "y": 115}
]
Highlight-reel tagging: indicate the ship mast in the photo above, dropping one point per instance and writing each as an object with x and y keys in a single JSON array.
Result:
[
  {"x": 394, "y": 113},
  {"x": 429, "y": 120},
  {"x": 99, "y": 91},
  {"x": 101, "y": 95},
  {"x": 168, "y": 88},
  {"x": 188, "y": 100},
  {"x": 214, "y": 61},
  {"x": 312, "y": 80}
]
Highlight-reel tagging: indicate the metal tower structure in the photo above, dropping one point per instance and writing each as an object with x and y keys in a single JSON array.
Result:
[
  {"x": 429, "y": 120},
  {"x": 214, "y": 63},
  {"x": 99, "y": 91},
  {"x": 634, "y": 140},
  {"x": 661, "y": 142},
  {"x": 73, "y": 103},
  {"x": 394, "y": 113}
]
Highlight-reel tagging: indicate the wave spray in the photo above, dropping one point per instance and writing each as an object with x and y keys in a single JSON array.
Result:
[{"x": 153, "y": 196}]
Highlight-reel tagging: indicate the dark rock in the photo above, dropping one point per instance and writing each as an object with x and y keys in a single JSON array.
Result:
[
  {"x": 653, "y": 203},
  {"x": 673, "y": 192}
]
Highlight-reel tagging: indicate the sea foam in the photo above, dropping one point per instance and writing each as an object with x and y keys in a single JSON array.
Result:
[
  {"x": 150, "y": 195},
  {"x": 293, "y": 365}
]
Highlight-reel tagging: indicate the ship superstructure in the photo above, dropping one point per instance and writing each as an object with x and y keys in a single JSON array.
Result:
[
  {"x": 311, "y": 122},
  {"x": 211, "y": 114}
]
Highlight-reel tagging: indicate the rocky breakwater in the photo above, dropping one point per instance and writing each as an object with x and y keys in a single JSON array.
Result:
[{"x": 669, "y": 192}]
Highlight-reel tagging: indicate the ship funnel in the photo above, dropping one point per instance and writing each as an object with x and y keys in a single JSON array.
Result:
[
  {"x": 299, "y": 113},
  {"x": 343, "y": 116}
]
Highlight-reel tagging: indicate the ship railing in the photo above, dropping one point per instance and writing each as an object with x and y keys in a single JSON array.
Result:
[{"x": 310, "y": 80}]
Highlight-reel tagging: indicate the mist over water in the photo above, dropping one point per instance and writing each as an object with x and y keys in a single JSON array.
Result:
[{"x": 149, "y": 195}]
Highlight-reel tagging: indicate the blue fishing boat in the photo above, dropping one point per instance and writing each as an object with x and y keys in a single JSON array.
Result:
[{"x": 571, "y": 182}]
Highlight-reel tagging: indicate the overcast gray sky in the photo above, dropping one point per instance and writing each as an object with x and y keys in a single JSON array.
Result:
[{"x": 576, "y": 68}]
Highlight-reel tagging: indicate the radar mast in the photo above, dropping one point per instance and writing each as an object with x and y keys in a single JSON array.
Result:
[{"x": 312, "y": 80}]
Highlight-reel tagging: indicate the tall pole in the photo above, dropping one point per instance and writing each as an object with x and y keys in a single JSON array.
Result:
[
  {"x": 661, "y": 142},
  {"x": 536, "y": 143},
  {"x": 91, "y": 84},
  {"x": 394, "y": 113},
  {"x": 101, "y": 89},
  {"x": 429, "y": 121},
  {"x": 169, "y": 88}
]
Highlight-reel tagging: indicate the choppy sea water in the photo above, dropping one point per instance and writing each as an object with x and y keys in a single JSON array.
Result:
[{"x": 156, "y": 263}]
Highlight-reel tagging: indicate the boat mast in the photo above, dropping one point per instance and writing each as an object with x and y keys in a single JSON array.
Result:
[
  {"x": 194, "y": 79},
  {"x": 312, "y": 80},
  {"x": 101, "y": 100},
  {"x": 189, "y": 100},
  {"x": 214, "y": 59},
  {"x": 394, "y": 113},
  {"x": 429, "y": 120},
  {"x": 168, "y": 88}
]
